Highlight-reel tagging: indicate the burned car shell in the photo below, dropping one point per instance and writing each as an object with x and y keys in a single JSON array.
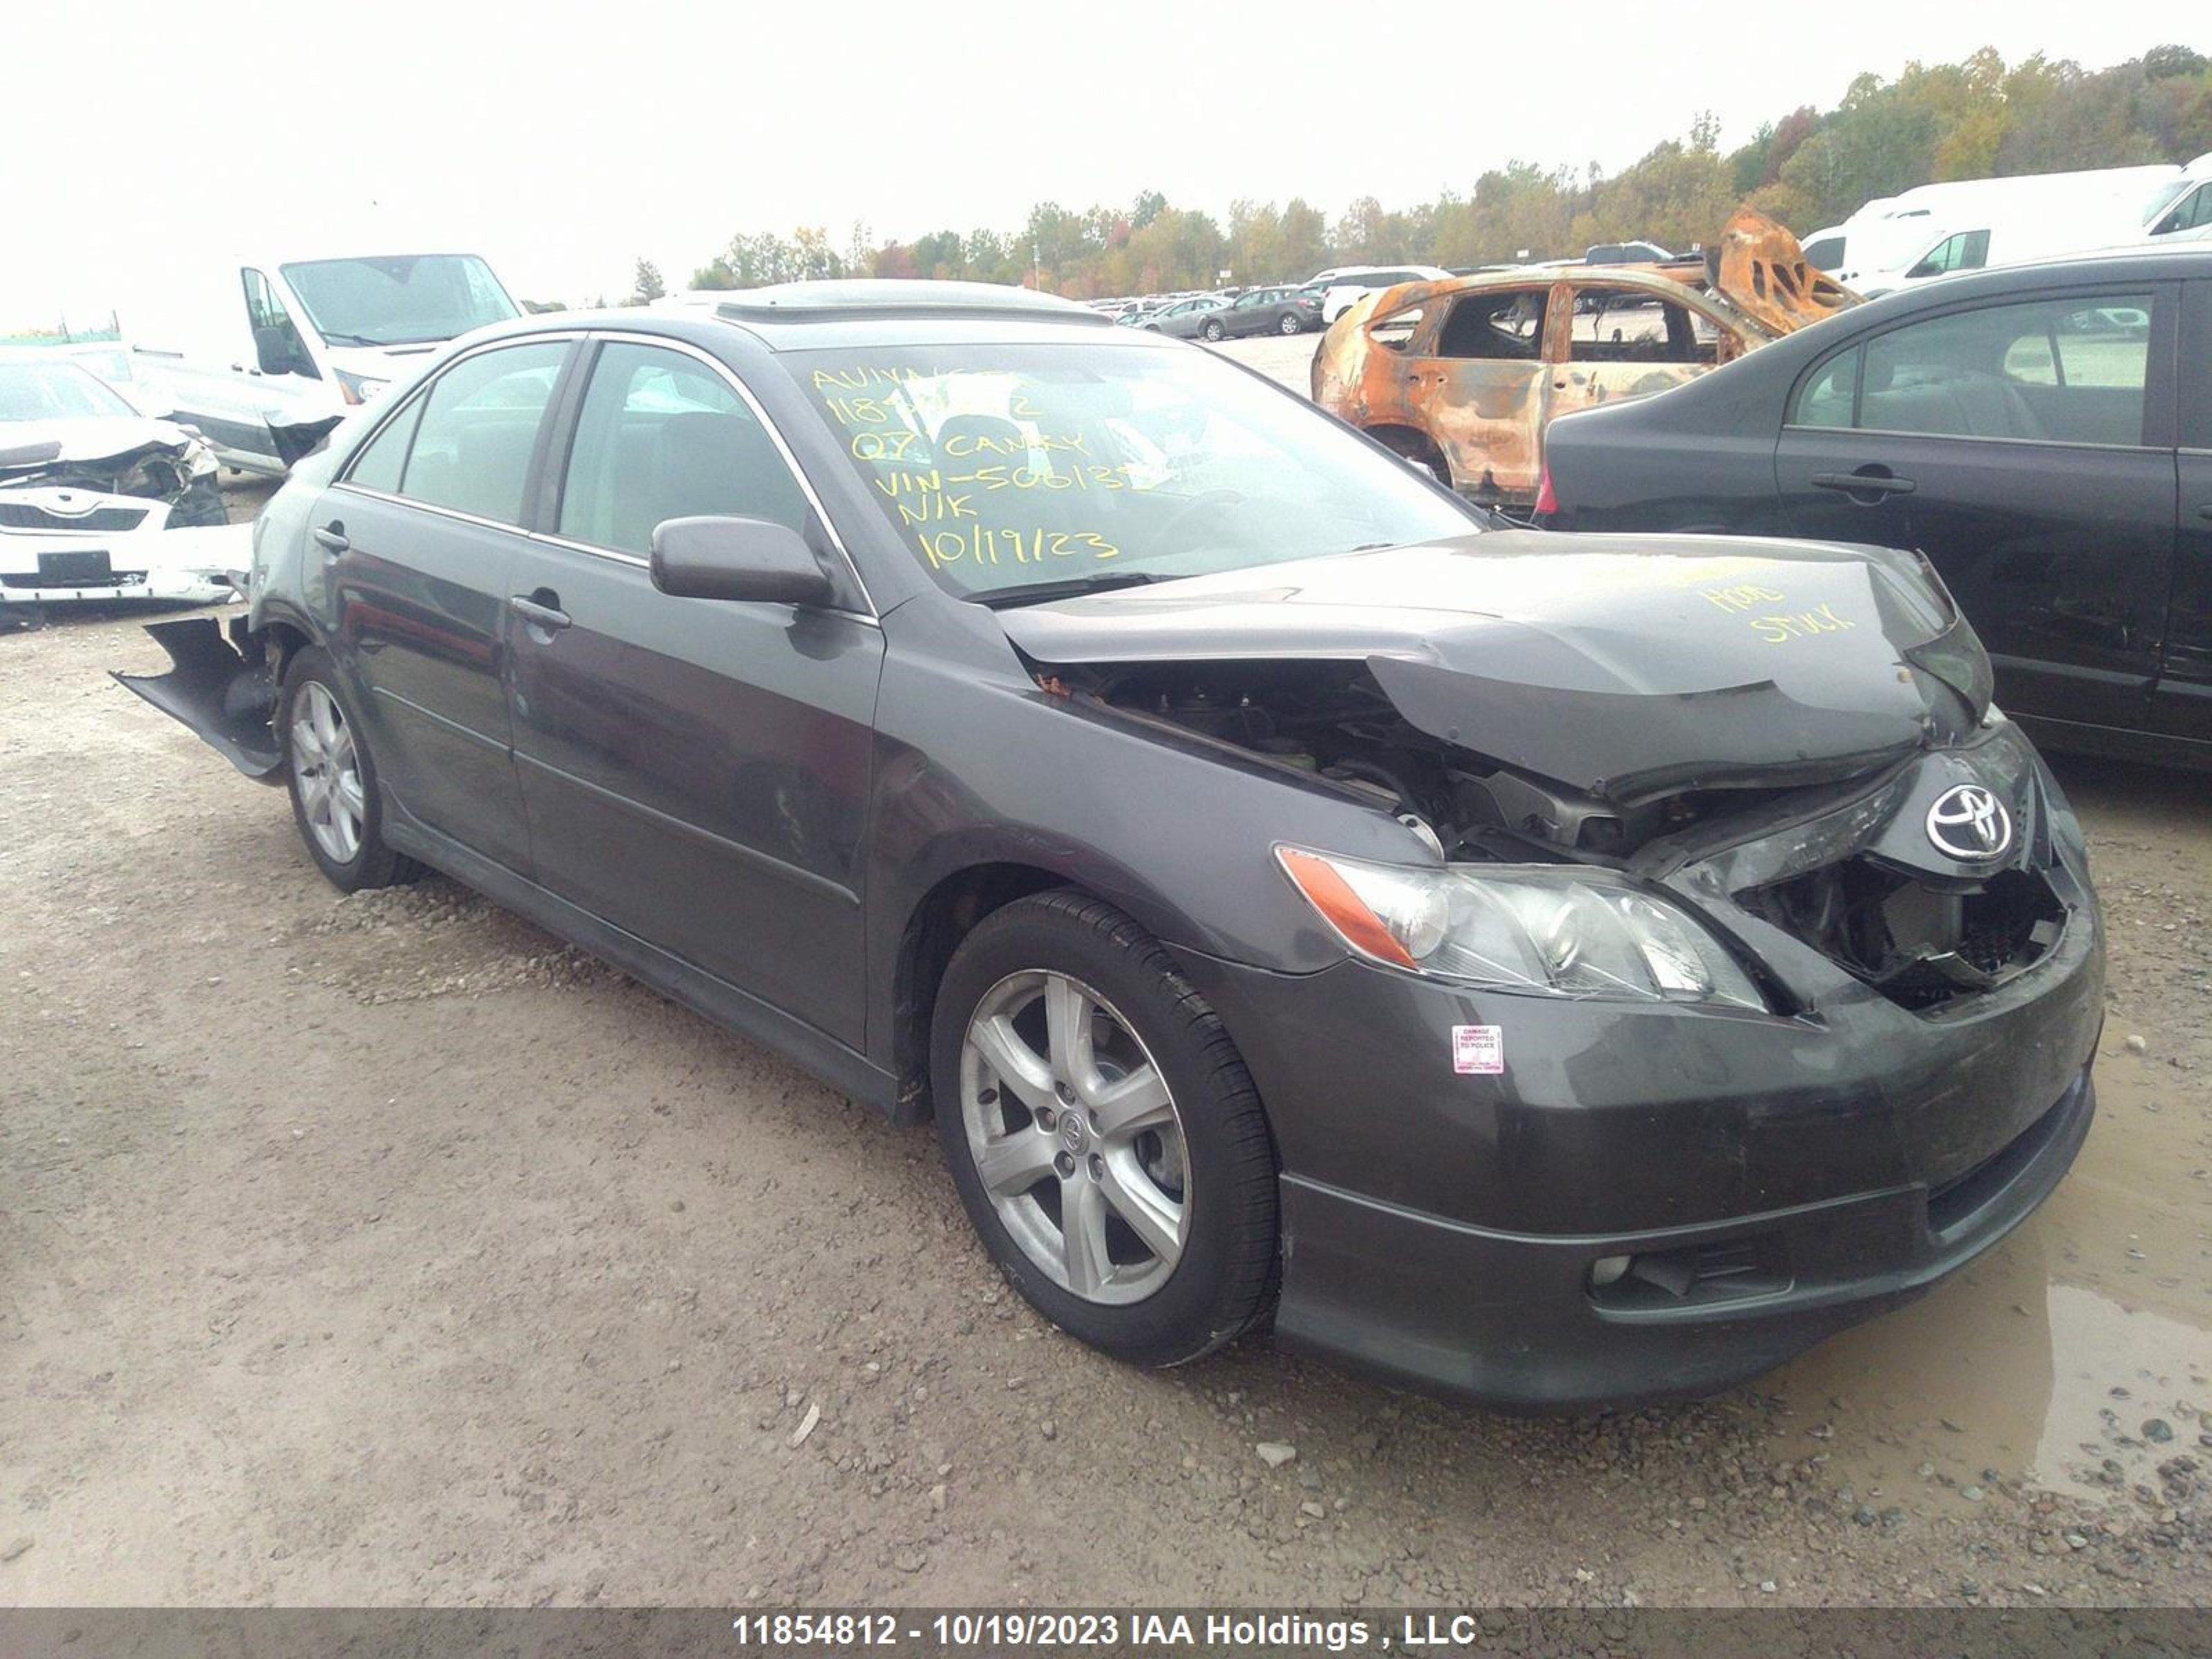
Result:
[
  {"x": 1416, "y": 367},
  {"x": 116, "y": 505},
  {"x": 1775, "y": 1174}
]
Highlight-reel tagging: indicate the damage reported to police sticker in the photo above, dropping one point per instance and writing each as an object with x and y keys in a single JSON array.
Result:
[{"x": 1479, "y": 1050}]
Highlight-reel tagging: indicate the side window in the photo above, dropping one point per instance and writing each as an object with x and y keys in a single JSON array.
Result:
[
  {"x": 2192, "y": 210},
  {"x": 2066, "y": 371},
  {"x": 1629, "y": 325},
  {"x": 277, "y": 347},
  {"x": 1508, "y": 324},
  {"x": 1825, "y": 254},
  {"x": 477, "y": 429},
  {"x": 1968, "y": 250},
  {"x": 1827, "y": 399},
  {"x": 661, "y": 436},
  {"x": 1396, "y": 330},
  {"x": 383, "y": 460}
]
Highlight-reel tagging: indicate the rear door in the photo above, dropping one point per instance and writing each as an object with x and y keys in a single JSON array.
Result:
[
  {"x": 2183, "y": 706},
  {"x": 1474, "y": 380},
  {"x": 2026, "y": 448},
  {"x": 695, "y": 770},
  {"x": 418, "y": 535}
]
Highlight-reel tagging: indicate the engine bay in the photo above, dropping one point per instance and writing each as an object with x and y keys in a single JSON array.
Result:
[{"x": 1330, "y": 719}]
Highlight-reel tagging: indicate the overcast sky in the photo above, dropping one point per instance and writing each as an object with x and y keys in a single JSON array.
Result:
[{"x": 562, "y": 142}]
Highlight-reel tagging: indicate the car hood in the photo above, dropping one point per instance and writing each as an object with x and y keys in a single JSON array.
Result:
[
  {"x": 1624, "y": 666},
  {"x": 33, "y": 446}
]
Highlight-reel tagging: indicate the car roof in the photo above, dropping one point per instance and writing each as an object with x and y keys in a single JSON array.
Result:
[{"x": 878, "y": 312}]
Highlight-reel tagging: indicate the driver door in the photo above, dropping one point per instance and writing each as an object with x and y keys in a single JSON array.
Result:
[{"x": 695, "y": 771}]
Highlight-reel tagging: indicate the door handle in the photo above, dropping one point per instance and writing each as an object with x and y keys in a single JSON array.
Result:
[
  {"x": 332, "y": 538},
  {"x": 1864, "y": 483},
  {"x": 2205, "y": 511},
  {"x": 541, "y": 609}
]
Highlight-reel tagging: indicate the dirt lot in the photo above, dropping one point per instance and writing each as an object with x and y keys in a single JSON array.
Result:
[{"x": 381, "y": 1250}]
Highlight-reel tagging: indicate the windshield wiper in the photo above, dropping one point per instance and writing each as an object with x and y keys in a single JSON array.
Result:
[
  {"x": 336, "y": 338},
  {"x": 1073, "y": 587}
]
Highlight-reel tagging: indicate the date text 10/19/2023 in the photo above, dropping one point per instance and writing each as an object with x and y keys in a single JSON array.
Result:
[{"x": 1238, "y": 1633}]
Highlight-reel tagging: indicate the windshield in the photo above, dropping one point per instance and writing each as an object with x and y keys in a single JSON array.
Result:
[
  {"x": 55, "y": 391},
  {"x": 405, "y": 300},
  {"x": 1008, "y": 467}
]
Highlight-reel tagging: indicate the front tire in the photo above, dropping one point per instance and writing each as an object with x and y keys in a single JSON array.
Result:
[
  {"x": 1104, "y": 1133},
  {"x": 332, "y": 781}
]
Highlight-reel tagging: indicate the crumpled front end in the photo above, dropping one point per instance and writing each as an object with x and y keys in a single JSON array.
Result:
[
  {"x": 1636, "y": 1199},
  {"x": 146, "y": 523}
]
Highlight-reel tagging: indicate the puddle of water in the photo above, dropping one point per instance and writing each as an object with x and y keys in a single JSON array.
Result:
[{"x": 2045, "y": 1358}]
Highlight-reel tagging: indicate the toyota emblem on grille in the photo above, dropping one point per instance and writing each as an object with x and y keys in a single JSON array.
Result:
[{"x": 1970, "y": 823}]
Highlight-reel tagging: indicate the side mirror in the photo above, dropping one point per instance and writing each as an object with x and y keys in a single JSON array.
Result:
[
  {"x": 719, "y": 558},
  {"x": 276, "y": 351}
]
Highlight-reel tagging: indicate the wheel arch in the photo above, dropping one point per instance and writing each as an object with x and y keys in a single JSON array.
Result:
[
  {"x": 1405, "y": 440},
  {"x": 945, "y": 913}
]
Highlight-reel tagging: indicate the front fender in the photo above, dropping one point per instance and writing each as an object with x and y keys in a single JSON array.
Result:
[{"x": 988, "y": 768}]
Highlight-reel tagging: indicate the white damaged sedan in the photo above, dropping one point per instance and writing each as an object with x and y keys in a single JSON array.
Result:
[{"x": 99, "y": 502}]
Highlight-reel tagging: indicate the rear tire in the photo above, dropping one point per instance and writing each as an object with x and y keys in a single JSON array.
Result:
[
  {"x": 1290, "y": 325},
  {"x": 1213, "y": 332},
  {"x": 332, "y": 781},
  {"x": 1059, "y": 1007}
]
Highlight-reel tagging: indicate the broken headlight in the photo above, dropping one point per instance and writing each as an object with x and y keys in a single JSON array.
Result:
[
  {"x": 158, "y": 477},
  {"x": 360, "y": 388},
  {"x": 1577, "y": 933}
]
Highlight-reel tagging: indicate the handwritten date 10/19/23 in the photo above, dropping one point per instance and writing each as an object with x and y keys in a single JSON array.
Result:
[{"x": 982, "y": 543}]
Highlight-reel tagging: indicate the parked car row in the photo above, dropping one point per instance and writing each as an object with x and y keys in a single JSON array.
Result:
[{"x": 1256, "y": 311}]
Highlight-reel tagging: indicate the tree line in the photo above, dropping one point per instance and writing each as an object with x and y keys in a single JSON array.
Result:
[{"x": 1809, "y": 168}]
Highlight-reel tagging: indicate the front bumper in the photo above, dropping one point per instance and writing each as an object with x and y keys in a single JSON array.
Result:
[
  {"x": 1511, "y": 1318},
  {"x": 184, "y": 566},
  {"x": 1770, "y": 1177}
]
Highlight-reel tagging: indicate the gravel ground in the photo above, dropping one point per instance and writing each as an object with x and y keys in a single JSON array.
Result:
[{"x": 383, "y": 1251}]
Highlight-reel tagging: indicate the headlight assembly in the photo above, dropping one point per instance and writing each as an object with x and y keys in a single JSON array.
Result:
[
  {"x": 1545, "y": 928},
  {"x": 360, "y": 388}
]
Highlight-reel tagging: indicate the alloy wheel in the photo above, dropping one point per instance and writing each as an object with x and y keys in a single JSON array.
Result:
[
  {"x": 327, "y": 766},
  {"x": 1075, "y": 1136}
]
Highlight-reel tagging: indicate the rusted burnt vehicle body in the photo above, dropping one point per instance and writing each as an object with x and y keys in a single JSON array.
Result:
[{"x": 1465, "y": 376}]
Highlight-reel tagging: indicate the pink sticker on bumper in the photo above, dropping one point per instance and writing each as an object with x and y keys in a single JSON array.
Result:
[{"x": 1479, "y": 1050}]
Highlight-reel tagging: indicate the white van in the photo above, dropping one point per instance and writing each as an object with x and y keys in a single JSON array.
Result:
[
  {"x": 2184, "y": 207},
  {"x": 1969, "y": 224},
  {"x": 264, "y": 356}
]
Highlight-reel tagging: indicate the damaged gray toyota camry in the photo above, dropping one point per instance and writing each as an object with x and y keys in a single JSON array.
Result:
[{"x": 1556, "y": 969}]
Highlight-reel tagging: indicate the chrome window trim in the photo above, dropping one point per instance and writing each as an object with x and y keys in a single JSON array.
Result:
[
  {"x": 454, "y": 513},
  {"x": 617, "y": 556},
  {"x": 684, "y": 348},
  {"x": 344, "y": 480}
]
